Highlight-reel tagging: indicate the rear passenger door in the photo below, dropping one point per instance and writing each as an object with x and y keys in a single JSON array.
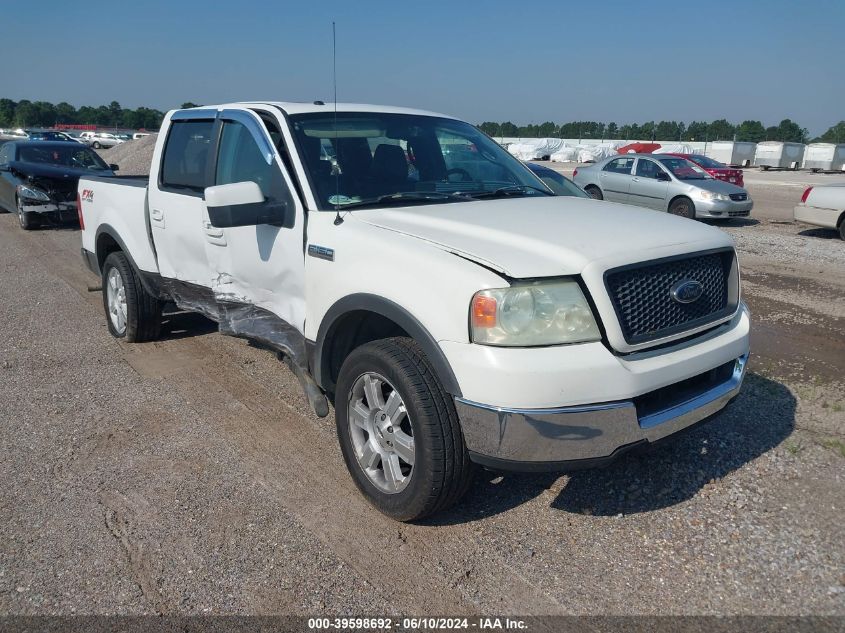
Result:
[
  {"x": 178, "y": 216},
  {"x": 615, "y": 179}
]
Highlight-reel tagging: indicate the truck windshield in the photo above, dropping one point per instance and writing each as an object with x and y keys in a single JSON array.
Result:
[{"x": 374, "y": 158}]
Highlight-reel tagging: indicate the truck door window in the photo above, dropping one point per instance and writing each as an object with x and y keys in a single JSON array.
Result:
[
  {"x": 186, "y": 155},
  {"x": 240, "y": 159}
]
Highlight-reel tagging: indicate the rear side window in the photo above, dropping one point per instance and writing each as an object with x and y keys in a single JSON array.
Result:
[
  {"x": 186, "y": 154},
  {"x": 620, "y": 165}
]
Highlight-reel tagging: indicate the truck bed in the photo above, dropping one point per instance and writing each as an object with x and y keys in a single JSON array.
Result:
[{"x": 117, "y": 206}]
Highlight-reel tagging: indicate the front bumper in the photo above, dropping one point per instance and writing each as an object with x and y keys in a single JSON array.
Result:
[
  {"x": 62, "y": 209},
  {"x": 573, "y": 437},
  {"x": 723, "y": 208}
]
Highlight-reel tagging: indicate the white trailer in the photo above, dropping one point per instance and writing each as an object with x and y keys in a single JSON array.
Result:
[
  {"x": 779, "y": 155},
  {"x": 733, "y": 153},
  {"x": 825, "y": 157}
]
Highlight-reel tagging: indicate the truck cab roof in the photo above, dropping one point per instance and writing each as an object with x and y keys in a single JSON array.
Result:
[{"x": 296, "y": 107}]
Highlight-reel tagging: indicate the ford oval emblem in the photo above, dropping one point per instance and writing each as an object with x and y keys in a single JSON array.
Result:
[{"x": 687, "y": 291}]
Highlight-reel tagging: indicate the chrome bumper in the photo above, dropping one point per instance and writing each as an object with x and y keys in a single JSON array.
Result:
[{"x": 554, "y": 439}]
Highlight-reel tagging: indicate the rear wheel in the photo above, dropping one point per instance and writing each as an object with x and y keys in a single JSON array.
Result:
[
  {"x": 842, "y": 229},
  {"x": 132, "y": 313},
  {"x": 27, "y": 220},
  {"x": 682, "y": 207},
  {"x": 399, "y": 431},
  {"x": 594, "y": 191}
]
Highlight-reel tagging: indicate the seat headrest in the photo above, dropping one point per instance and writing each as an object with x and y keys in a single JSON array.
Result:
[{"x": 390, "y": 162}]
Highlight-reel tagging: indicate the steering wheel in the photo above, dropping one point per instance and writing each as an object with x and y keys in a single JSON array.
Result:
[{"x": 465, "y": 175}]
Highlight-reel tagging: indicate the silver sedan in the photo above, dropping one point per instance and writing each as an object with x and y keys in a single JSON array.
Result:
[{"x": 664, "y": 183}]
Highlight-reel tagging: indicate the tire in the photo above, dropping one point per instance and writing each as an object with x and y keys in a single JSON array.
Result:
[
  {"x": 764, "y": 167},
  {"x": 683, "y": 207},
  {"x": 842, "y": 229},
  {"x": 28, "y": 221},
  {"x": 594, "y": 191},
  {"x": 139, "y": 319},
  {"x": 441, "y": 471},
  {"x": 96, "y": 145}
]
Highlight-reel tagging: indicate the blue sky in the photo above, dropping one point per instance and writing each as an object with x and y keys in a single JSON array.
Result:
[{"x": 527, "y": 62}]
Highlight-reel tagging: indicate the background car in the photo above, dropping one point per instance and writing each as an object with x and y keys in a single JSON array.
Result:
[
  {"x": 823, "y": 206},
  {"x": 50, "y": 135},
  {"x": 104, "y": 140},
  {"x": 558, "y": 183},
  {"x": 663, "y": 183},
  {"x": 38, "y": 179},
  {"x": 718, "y": 170}
]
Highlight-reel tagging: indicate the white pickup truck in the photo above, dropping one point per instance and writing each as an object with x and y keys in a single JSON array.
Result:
[
  {"x": 823, "y": 206},
  {"x": 425, "y": 282}
]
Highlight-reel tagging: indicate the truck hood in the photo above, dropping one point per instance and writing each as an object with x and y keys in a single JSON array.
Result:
[{"x": 544, "y": 237}]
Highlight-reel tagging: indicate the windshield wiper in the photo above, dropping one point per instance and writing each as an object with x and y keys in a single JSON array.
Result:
[
  {"x": 509, "y": 190},
  {"x": 406, "y": 196}
]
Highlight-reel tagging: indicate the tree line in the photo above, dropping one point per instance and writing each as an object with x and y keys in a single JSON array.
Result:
[
  {"x": 719, "y": 130},
  {"x": 28, "y": 114}
]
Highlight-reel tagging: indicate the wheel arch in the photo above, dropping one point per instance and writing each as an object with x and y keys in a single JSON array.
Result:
[
  {"x": 106, "y": 241},
  {"x": 360, "y": 318},
  {"x": 678, "y": 197}
]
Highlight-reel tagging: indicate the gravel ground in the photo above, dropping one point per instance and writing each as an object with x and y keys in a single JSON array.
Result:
[{"x": 188, "y": 476}]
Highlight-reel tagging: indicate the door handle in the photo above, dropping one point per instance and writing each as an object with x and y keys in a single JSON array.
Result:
[
  {"x": 635, "y": 179},
  {"x": 157, "y": 214},
  {"x": 211, "y": 230}
]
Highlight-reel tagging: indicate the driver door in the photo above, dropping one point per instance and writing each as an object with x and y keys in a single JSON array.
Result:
[{"x": 264, "y": 264}]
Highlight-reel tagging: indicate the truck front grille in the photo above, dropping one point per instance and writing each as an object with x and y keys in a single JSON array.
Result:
[{"x": 646, "y": 300}]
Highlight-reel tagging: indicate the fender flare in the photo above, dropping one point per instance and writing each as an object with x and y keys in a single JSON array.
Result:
[
  {"x": 107, "y": 229},
  {"x": 397, "y": 314}
]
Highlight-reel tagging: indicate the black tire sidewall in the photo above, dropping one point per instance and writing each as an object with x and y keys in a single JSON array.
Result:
[
  {"x": 119, "y": 261},
  {"x": 592, "y": 188},
  {"x": 25, "y": 220},
  {"x": 412, "y": 501}
]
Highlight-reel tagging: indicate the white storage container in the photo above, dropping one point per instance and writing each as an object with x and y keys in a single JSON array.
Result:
[
  {"x": 779, "y": 155},
  {"x": 733, "y": 153},
  {"x": 825, "y": 157}
]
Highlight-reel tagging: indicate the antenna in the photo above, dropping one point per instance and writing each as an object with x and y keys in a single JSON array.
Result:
[{"x": 337, "y": 218}]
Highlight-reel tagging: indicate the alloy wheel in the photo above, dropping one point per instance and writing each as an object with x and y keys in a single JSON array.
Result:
[
  {"x": 381, "y": 433},
  {"x": 116, "y": 297}
]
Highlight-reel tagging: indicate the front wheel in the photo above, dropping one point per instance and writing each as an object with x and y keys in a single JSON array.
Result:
[
  {"x": 96, "y": 145},
  {"x": 27, "y": 220},
  {"x": 594, "y": 191},
  {"x": 132, "y": 313},
  {"x": 682, "y": 207},
  {"x": 399, "y": 431}
]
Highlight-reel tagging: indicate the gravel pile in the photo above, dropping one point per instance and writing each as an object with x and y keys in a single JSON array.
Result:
[{"x": 134, "y": 157}]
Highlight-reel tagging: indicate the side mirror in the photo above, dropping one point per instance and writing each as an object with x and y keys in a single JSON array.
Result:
[
  {"x": 242, "y": 204},
  {"x": 114, "y": 166},
  {"x": 662, "y": 175}
]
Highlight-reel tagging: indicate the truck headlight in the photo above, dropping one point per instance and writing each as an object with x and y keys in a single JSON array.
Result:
[
  {"x": 32, "y": 194},
  {"x": 710, "y": 195},
  {"x": 531, "y": 314}
]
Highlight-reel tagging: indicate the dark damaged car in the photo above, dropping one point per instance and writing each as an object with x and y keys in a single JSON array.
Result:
[{"x": 38, "y": 179}]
